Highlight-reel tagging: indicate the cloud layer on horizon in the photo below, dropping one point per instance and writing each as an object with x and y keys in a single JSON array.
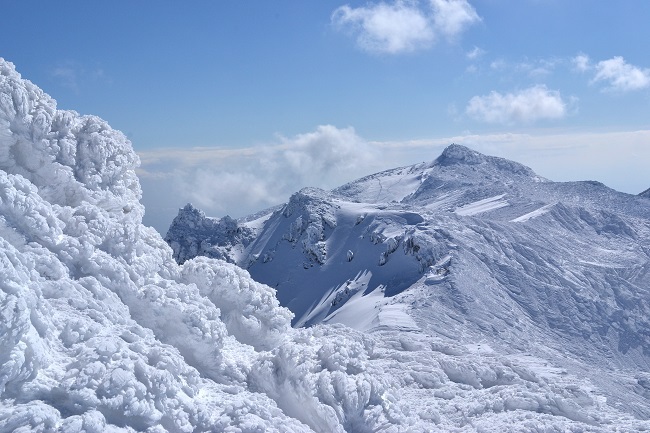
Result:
[
  {"x": 248, "y": 180},
  {"x": 243, "y": 181}
]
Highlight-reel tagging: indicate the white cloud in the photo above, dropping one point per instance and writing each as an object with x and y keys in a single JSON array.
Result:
[
  {"x": 242, "y": 181},
  {"x": 498, "y": 64},
  {"x": 74, "y": 76},
  {"x": 621, "y": 76},
  {"x": 581, "y": 62},
  {"x": 616, "y": 73},
  {"x": 404, "y": 26},
  {"x": 475, "y": 53},
  {"x": 538, "y": 68},
  {"x": 533, "y": 68},
  {"x": 388, "y": 28},
  {"x": 451, "y": 17},
  {"x": 528, "y": 105},
  {"x": 67, "y": 77}
]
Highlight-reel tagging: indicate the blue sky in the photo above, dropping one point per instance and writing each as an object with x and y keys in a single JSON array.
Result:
[{"x": 233, "y": 105}]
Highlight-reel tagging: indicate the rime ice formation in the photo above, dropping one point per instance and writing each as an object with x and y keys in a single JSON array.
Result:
[
  {"x": 101, "y": 331},
  {"x": 198, "y": 235}
]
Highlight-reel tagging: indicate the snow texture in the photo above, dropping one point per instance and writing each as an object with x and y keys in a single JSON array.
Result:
[
  {"x": 101, "y": 330},
  {"x": 193, "y": 234},
  {"x": 645, "y": 193}
]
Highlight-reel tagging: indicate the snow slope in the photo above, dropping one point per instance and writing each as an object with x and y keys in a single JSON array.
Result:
[{"x": 483, "y": 254}]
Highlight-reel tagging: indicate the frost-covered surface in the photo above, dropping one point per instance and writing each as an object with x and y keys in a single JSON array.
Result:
[
  {"x": 193, "y": 234},
  {"x": 480, "y": 259}
]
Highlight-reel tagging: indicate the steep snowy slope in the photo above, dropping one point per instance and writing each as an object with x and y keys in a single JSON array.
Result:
[
  {"x": 474, "y": 249},
  {"x": 101, "y": 331}
]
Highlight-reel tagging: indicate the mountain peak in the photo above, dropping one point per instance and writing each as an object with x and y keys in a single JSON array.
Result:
[
  {"x": 216, "y": 235},
  {"x": 456, "y": 153}
]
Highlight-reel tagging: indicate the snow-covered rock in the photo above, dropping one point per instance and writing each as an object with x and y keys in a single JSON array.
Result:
[{"x": 193, "y": 234}]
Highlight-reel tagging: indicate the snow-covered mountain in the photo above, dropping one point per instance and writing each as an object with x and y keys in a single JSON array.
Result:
[
  {"x": 101, "y": 330},
  {"x": 472, "y": 248},
  {"x": 645, "y": 193}
]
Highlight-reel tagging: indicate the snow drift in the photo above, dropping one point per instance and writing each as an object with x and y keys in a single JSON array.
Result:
[{"x": 100, "y": 330}]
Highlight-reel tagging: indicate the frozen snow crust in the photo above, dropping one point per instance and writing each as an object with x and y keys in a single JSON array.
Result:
[{"x": 101, "y": 331}]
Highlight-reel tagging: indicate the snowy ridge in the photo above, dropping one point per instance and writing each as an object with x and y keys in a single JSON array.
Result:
[
  {"x": 481, "y": 252},
  {"x": 645, "y": 193}
]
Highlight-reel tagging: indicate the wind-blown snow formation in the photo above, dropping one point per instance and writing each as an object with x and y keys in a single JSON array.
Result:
[{"x": 101, "y": 331}]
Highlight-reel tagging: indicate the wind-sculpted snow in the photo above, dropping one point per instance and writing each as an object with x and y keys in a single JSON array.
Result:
[{"x": 100, "y": 330}]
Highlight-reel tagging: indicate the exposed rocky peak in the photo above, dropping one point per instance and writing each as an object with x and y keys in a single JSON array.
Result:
[
  {"x": 192, "y": 233},
  {"x": 458, "y": 155},
  {"x": 313, "y": 211}
]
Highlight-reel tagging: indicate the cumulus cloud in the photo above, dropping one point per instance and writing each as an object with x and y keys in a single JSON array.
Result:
[
  {"x": 386, "y": 28},
  {"x": 581, "y": 62},
  {"x": 475, "y": 53},
  {"x": 621, "y": 76},
  {"x": 615, "y": 73},
  {"x": 452, "y": 17},
  {"x": 404, "y": 26},
  {"x": 525, "y": 106},
  {"x": 243, "y": 181}
]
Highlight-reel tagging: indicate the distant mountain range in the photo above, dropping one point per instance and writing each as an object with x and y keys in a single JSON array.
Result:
[{"x": 468, "y": 246}]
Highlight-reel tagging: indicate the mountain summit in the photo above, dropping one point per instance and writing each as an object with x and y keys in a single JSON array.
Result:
[
  {"x": 474, "y": 246},
  {"x": 456, "y": 154}
]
